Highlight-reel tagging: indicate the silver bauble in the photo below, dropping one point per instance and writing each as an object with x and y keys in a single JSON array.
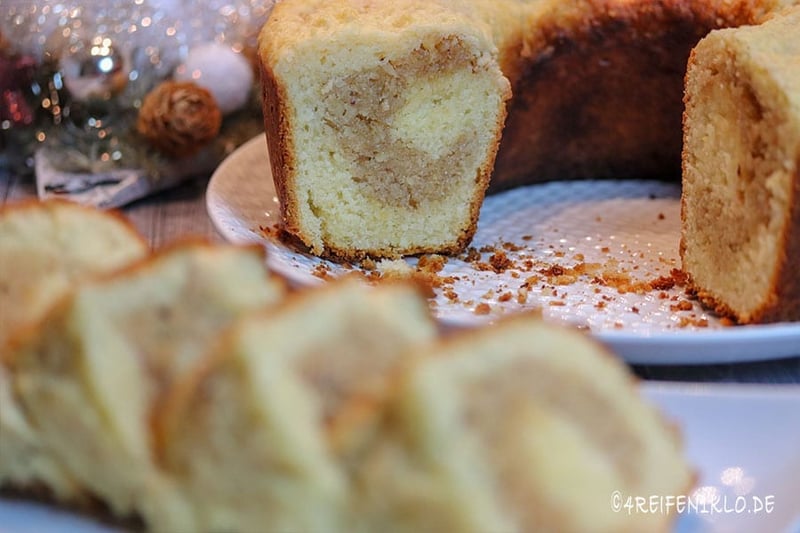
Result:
[{"x": 94, "y": 69}]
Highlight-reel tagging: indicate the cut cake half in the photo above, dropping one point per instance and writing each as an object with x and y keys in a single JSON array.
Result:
[
  {"x": 740, "y": 242},
  {"x": 383, "y": 121}
]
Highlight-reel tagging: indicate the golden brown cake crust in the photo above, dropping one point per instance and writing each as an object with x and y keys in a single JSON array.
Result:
[
  {"x": 33, "y": 204},
  {"x": 279, "y": 143},
  {"x": 600, "y": 93}
]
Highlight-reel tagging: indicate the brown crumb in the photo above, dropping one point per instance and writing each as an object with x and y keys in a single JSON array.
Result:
[
  {"x": 322, "y": 271},
  {"x": 685, "y": 322},
  {"x": 663, "y": 283},
  {"x": 553, "y": 271},
  {"x": 661, "y": 216},
  {"x": 505, "y": 297},
  {"x": 512, "y": 247},
  {"x": 472, "y": 256},
  {"x": 431, "y": 263},
  {"x": 680, "y": 277},
  {"x": 483, "y": 309},
  {"x": 682, "y": 305},
  {"x": 451, "y": 295},
  {"x": 500, "y": 262},
  {"x": 531, "y": 281},
  {"x": 522, "y": 295},
  {"x": 556, "y": 303}
]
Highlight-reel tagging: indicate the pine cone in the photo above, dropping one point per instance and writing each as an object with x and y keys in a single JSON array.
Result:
[{"x": 179, "y": 118}]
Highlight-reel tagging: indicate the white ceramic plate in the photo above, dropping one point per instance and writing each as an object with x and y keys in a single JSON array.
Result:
[
  {"x": 628, "y": 229},
  {"x": 743, "y": 440}
]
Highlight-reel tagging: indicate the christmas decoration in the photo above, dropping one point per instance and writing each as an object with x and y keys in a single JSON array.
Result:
[
  {"x": 94, "y": 69},
  {"x": 15, "y": 73},
  {"x": 79, "y": 78},
  {"x": 222, "y": 71},
  {"x": 179, "y": 118}
]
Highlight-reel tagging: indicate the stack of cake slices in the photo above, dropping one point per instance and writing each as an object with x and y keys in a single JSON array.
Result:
[{"x": 190, "y": 389}]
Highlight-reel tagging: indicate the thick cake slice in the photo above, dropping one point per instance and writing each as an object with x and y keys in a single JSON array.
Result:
[
  {"x": 253, "y": 436},
  {"x": 383, "y": 120},
  {"x": 91, "y": 375},
  {"x": 518, "y": 427},
  {"x": 45, "y": 248},
  {"x": 741, "y": 171}
]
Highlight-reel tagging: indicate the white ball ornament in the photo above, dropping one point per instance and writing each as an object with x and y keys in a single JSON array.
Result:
[{"x": 224, "y": 73}]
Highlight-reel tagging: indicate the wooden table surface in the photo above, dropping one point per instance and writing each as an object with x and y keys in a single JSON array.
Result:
[{"x": 181, "y": 213}]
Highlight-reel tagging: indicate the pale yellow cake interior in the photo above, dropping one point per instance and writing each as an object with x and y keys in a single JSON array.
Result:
[
  {"x": 391, "y": 130},
  {"x": 90, "y": 375},
  {"x": 45, "y": 249},
  {"x": 267, "y": 410},
  {"x": 741, "y": 156},
  {"x": 529, "y": 429}
]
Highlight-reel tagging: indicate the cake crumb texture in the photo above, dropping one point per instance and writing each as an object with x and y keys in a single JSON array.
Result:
[{"x": 740, "y": 241}]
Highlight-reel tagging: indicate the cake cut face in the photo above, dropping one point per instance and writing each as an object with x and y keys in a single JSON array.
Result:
[
  {"x": 383, "y": 120},
  {"x": 92, "y": 374},
  {"x": 740, "y": 240},
  {"x": 519, "y": 427},
  {"x": 45, "y": 249},
  {"x": 253, "y": 435}
]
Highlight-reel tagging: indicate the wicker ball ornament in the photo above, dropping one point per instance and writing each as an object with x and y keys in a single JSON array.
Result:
[{"x": 179, "y": 118}]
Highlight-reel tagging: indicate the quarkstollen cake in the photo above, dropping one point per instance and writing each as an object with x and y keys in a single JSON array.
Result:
[
  {"x": 740, "y": 242},
  {"x": 383, "y": 118}
]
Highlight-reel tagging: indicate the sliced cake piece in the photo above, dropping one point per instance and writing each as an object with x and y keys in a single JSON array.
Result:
[
  {"x": 92, "y": 374},
  {"x": 740, "y": 243},
  {"x": 383, "y": 121},
  {"x": 253, "y": 436},
  {"x": 45, "y": 249},
  {"x": 24, "y": 465},
  {"x": 518, "y": 427}
]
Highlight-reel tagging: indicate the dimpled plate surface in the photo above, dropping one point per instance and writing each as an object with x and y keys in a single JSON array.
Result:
[{"x": 594, "y": 254}]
